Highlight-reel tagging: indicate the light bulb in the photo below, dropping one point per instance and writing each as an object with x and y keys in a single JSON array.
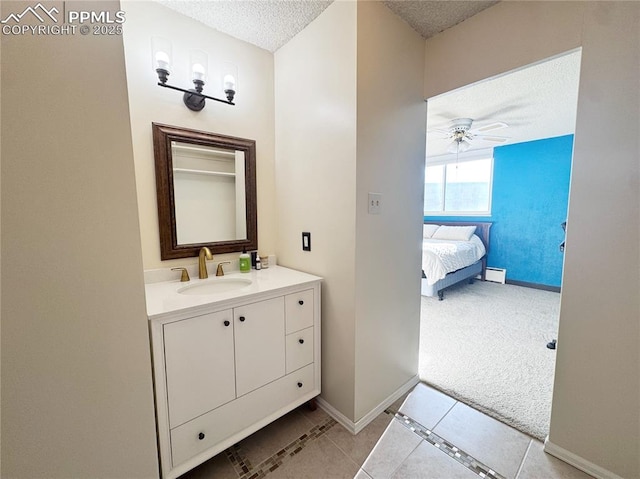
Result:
[
  {"x": 162, "y": 61},
  {"x": 229, "y": 82},
  {"x": 198, "y": 72}
]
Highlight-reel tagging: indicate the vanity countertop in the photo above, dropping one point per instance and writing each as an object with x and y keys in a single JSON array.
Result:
[{"x": 163, "y": 298}]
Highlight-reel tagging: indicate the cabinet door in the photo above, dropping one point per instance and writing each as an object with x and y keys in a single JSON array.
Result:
[
  {"x": 199, "y": 365},
  {"x": 259, "y": 342}
]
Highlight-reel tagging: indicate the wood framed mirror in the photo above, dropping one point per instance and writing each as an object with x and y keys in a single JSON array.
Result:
[{"x": 206, "y": 192}]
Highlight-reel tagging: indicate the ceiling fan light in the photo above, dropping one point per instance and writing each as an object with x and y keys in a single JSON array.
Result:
[
  {"x": 453, "y": 147},
  {"x": 464, "y": 145}
]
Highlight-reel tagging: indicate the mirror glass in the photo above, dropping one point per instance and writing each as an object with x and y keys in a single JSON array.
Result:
[{"x": 206, "y": 192}]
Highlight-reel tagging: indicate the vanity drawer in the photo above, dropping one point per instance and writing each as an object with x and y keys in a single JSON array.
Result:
[
  {"x": 299, "y": 349},
  {"x": 248, "y": 411},
  {"x": 299, "y": 310}
]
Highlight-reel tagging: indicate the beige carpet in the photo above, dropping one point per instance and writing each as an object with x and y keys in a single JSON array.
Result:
[{"x": 485, "y": 345}]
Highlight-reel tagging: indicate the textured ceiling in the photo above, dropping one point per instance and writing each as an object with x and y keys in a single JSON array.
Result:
[
  {"x": 535, "y": 102},
  {"x": 429, "y": 18},
  {"x": 270, "y": 24}
]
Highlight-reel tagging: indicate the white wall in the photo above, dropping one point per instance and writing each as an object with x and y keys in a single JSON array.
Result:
[
  {"x": 511, "y": 36},
  {"x": 596, "y": 402},
  {"x": 390, "y": 161},
  {"x": 597, "y": 387},
  {"x": 315, "y": 77},
  {"x": 251, "y": 117},
  {"x": 77, "y": 396},
  {"x": 341, "y": 131}
]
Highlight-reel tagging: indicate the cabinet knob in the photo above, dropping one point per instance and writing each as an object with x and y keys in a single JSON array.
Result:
[
  {"x": 242, "y": 318},
  {"x": 299, "y": 385},
  {"x": 201, "y": 436},
  {"x": 300, "y": 302},
  {"x": 301, "y": 341},
  {"x": 226, "y": 323}
]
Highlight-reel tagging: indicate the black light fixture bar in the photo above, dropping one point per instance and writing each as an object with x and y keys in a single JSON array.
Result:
[
  {"x": 196, "y": 93},
  {"x": 193, "y": 99}
]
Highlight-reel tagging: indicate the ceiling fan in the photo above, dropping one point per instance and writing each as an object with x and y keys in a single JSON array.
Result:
[{"x": 462, "y": 136}]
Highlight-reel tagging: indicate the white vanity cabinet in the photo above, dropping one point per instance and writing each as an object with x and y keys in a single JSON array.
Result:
[{"x": 225, "y": 369}]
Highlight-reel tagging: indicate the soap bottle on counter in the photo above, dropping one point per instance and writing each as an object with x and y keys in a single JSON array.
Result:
[
  {"x": 258, "y": 263},
  {"x": 245, "y": 262}
]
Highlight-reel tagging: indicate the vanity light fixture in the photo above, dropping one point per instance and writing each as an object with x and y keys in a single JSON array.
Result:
[{"x": 193, "y": 98}]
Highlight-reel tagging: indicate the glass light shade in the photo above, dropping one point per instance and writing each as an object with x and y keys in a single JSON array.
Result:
[
  {"x": 464, "y": 145},
  {"x": 198, "y": 72},
  {"x": 458, "y": 146},
  {"x": 161, "y": 53},
  {"x": 229, "y": 77},
  {"x": 229, "y": 82},
  {"x": 162, "y": 61},
  {"x": 199, "y": 62}
]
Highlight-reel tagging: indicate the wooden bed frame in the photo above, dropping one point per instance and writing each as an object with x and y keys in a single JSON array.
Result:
[{"x": 470, "y": 272}]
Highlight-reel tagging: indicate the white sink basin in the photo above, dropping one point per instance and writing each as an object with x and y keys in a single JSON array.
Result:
[{"x": 214, "y": 286}]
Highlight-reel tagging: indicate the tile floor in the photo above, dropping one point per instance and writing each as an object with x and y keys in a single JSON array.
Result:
[{"x": 423, "y": 435}]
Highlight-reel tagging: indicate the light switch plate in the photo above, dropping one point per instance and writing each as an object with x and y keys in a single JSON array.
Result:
[{"x": 375, "y": 203}]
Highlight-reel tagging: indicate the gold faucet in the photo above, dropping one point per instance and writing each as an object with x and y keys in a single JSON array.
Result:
[
  {"x": 219, "y": 270},
  {"x": 205, "y": 254}
]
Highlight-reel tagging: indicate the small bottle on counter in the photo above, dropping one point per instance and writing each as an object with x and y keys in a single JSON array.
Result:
[
  {"x": 258, "y": 263},
  {"x": 245, "y": 262}
]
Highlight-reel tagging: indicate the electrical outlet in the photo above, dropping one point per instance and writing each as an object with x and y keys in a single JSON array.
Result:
[{"x": 375, "y": 203}]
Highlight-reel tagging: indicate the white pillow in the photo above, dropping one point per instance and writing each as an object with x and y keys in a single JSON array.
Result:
[
  {"x": 428, "y": 230},
  {"x": 458, "y": 233}
]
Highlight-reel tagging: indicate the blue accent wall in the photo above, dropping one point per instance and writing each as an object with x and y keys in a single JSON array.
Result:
[{"x": 529, "y": 203}]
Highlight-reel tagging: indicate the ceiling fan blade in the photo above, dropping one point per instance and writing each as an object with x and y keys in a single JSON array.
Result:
[
  {"x": 495, "y": 139},
  {"x": 439, "y": 134},
  {"x": 438, "y": 130},
  {"x": 491, "y": 127}
]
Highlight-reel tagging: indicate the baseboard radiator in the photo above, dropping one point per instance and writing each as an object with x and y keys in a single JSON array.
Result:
[{"x": 496, "y": 275}]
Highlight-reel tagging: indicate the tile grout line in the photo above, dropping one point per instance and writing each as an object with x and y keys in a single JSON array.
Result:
[
  {"x": 390, "y": 412},
  {"x": 347, "y": 455},
  {"x": 524, "y": 458},
  {"x": 460, "y": 456},
  {"x": 407, "y": 457},
  {"x": 445, "y": 414},
  {"x": 244, "y": 469}
]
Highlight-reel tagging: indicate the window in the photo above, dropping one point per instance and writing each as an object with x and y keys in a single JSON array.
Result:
[{"x": 459, "y": 186}]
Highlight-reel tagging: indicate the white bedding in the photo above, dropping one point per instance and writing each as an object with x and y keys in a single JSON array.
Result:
[{"x": 440, "y": 257}]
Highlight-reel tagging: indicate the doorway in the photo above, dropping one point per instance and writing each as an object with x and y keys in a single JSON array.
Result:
[{"x": 486, "y": 344}]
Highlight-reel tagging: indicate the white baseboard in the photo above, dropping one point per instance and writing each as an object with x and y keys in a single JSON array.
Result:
[
  {"x": 348, "y": 424},
  {"x": 577, "y": 461},
  {"x": 356, "y": 427}
]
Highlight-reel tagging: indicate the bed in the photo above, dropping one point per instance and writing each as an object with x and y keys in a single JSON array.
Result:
[{"x": 452, "y": 252}]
